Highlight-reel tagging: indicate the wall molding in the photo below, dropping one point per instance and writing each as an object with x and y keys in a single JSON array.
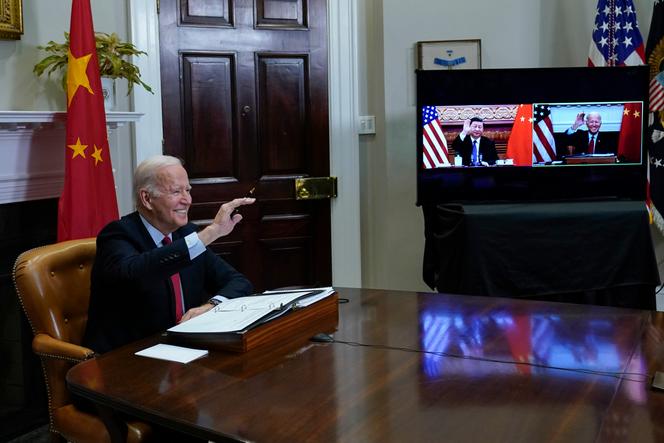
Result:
[
  {"x": 344, "y": 143},
  {"x": 32, "y": 152}
]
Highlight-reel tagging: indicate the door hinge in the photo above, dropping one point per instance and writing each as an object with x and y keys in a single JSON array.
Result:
[{"x": 158, "y": 6}]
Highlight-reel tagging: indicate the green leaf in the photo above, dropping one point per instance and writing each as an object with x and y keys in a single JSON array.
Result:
[{"x": 112, "y": 54}]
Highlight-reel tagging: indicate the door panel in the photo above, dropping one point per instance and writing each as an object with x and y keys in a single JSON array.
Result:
[
  {"x": 281, "y": 14},
  {"x": 286, "y": 261},
  {"x": 206, "y": 12},
  {"x": 209, "y": 115},
  {"x": 244, "y": 92},
  {"x": 282, "y": 114}
]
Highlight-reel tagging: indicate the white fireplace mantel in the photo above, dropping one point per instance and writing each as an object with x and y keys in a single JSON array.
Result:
[
  {"x": 31, "y": 148},
  {"x": 12, "y": 120}
]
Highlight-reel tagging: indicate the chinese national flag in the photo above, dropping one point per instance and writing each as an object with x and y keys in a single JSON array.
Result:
[
  {"x": 520, "y": 143},
  {"x": 88, "y": 199},
  {"x": 629, "y": 143}
]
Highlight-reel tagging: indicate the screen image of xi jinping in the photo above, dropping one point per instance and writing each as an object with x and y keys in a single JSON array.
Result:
[{"x": 532, "y": 134}]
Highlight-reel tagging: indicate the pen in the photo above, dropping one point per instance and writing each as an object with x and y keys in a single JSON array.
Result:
[{"x": 250, "y": 194}]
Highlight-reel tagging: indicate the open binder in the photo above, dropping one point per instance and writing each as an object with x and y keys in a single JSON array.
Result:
[{"x": 244, "y": 323}]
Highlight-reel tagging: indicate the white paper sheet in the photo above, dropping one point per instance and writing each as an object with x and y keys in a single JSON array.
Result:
[{"x": 172, "y": 353}]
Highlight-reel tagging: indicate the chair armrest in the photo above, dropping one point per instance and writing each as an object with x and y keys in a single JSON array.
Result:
[{"x": 46, "y": 346}]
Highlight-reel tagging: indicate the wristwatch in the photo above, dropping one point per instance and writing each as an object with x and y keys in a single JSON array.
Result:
[{"x": 214, "y": 301}]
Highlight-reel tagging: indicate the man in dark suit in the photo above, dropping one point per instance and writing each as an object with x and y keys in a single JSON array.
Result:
[
  {"x": 152, "y": 269},
  {"x": 474, "y": 148},
  {"x": 591, "y": 141}
]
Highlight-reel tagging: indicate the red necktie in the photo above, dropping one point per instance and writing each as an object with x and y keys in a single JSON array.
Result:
[
  {"x": 591, "y": 145},
  {"x": 177, "y": 291}
]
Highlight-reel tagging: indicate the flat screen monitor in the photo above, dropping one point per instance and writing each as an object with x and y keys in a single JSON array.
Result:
[{"x": 531, "y": 134}]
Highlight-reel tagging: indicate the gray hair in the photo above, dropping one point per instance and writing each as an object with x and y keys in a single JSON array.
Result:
[
  {"x": 596, "y": 114},
  {"x": 145, "y": 175}
]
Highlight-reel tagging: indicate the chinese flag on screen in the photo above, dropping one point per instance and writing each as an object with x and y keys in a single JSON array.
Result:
[
  {"x": 88, "y": 198},
  {"x": 520, "y": 143},
  {"x": 629, "y": 143}
]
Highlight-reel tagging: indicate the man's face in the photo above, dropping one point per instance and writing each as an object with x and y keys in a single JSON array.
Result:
[
  {"x": 593, "y": 122},
  {"x": 168, "y": 209},
  {"x": 476, "y": 129}
]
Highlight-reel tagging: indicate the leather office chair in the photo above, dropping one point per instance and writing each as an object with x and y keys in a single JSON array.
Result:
[{"x": 53, "y": 286}]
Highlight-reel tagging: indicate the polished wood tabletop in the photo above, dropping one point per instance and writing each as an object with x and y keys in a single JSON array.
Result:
[{"x": 411, "y": 367}]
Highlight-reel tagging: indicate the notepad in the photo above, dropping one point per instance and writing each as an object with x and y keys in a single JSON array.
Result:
[{"x": 172, "y": 353}]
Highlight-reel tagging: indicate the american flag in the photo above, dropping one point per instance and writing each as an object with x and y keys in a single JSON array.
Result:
[
  {"x": 544, "y": 145},
  {"x": 657, "y": 92},
  {"x": 616, "y": 38},
  {"x": 434, "y": 151}
]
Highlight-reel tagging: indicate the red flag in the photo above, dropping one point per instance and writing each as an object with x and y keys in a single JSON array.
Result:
[
  {"x": 520, "y": 143},
  {"x": 519, "y": 336},
  {"x": 88, "y": 199},
  {"x": 629, "y": 143}
]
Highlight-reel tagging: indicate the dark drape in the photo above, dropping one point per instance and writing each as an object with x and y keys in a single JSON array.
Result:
[{"x": 592, "y": 252}]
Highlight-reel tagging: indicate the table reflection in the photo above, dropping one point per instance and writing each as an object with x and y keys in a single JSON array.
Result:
[{"x": 542, "y": 339}]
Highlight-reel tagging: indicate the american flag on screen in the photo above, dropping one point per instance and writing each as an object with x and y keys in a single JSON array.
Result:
[
  {"x": 434, "y": 145},
  {"x": 544, "y": 145},
  {"x": 616, "y": 37}
]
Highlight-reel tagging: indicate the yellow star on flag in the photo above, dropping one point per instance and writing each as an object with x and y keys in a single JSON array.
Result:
[
  {"x": 637, "y": 114},
  {"x": 626, "y": 112},
  {"x": 97, "y": 155},
  {"x": 77, "y": 75},
  {"x": 78, "y": 149}
]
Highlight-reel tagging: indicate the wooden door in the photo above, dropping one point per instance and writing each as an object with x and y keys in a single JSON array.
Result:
[{"x": 244, "y": 90}]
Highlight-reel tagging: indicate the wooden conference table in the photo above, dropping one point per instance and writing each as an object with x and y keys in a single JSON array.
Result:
[{"x": 411, "y": 367}]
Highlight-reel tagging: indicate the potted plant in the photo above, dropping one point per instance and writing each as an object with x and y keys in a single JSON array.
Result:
[{"x": 111, "y": 52}]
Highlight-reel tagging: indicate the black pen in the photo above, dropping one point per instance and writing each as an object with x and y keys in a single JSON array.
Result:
[{"x": 250, "y": 195}]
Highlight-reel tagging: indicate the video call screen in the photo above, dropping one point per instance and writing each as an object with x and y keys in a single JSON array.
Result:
[
  {"x": 535, "y": 134},
  {"x": 531, "y": 134}
]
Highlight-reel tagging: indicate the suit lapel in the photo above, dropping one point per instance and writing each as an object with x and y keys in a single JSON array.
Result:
[{"x": 145, "y": 241}]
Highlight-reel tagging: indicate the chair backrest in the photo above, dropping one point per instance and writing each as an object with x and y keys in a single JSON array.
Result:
[{"x": 53, "y": 285}]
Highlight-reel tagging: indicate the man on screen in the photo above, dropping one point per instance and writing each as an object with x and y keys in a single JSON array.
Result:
[
  {"x": 590, "y": 141},
  {"x": 474, "y": 148}
]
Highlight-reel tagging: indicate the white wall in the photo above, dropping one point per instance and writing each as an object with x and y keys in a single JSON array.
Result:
[
  {"x": 514, "y": 33},
  {"x": 46, "y": 20}
]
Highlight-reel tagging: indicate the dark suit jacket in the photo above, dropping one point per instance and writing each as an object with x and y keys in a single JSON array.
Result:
[
  {"x": 605, "y": 143},
  {"x": 131, "y": 295},
  {"x": 465, "y": 149}
]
